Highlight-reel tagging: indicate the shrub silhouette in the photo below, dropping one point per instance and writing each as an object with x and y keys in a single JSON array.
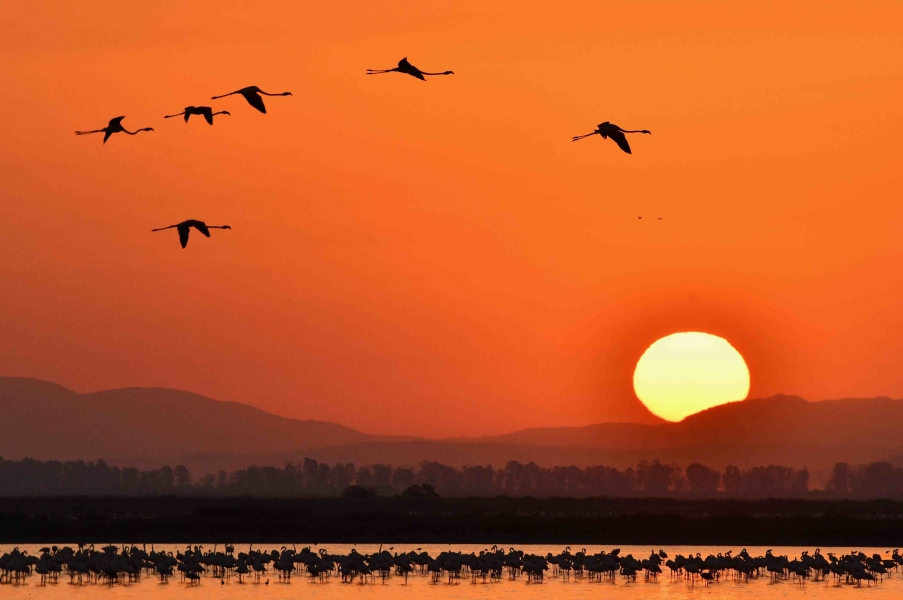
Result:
[
  {"x": 358, "y": 492},
  {"x": 420, "y": 491}
]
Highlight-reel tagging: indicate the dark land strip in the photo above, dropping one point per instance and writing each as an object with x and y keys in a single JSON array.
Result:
[{"x": 609, "y": 521}]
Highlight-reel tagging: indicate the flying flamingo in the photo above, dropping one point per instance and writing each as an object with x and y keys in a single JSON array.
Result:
[
  {"x": 199, "y": 110},
  {"x": 115, "y": 126},
  {"x": 405, "y": 67},
  {"x": 252, "y": 95},
  {"x": 610, "y": 130},
  {"x": 184, "y": 229}
]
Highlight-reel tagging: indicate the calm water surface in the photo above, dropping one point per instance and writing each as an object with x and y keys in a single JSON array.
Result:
[{"x": 420, "y": 587}]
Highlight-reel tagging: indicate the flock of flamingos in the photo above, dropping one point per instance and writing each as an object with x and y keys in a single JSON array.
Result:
[
  {"x": 252, "y": 95},
  {"x": 126, "y": 565}
]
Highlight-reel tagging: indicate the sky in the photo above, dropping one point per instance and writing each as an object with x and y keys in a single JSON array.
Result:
[{"x": 439, "y": 259}]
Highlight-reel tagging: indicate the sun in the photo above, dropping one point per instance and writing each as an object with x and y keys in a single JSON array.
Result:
[{"x": 684, "y": 373}]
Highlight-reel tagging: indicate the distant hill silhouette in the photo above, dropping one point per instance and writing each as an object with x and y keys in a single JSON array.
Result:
[
  {"x": 784, "y": 430},
  {"x": 143, "y": 426},
  {"x": 147, "y": 427},
  {"x": 768, "y": 421}
]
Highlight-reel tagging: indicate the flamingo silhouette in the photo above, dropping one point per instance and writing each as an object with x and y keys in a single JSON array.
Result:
[
  {"x": 206, "y": 111},
  {"x": 115, "y": 126},
  {"x": 610, "y": 130},
  {"x": 405, "y": 67},
  {"x": 184, "y": 229},
  {"x": 252, "y": 95}
]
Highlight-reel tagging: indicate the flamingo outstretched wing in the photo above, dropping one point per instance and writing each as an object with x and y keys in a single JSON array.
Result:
[
  {"x": 405, "y": 67},
  {"x": 202, "y": 227},
  {"x": 621, "y": 140},
  {"x": 255, "y": 100},
  {"x": 183, "y": 235}
]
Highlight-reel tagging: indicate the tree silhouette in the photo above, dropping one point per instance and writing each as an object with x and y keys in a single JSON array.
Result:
[
  {"x": 701, "y": 479},
  {"x": 402, "y": 478},
  {"x": 840, "y": 479}
]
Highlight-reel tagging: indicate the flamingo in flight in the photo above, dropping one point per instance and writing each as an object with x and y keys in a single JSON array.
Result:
[
  {"x": 252, "y": 95},
  {"x": 184, "y": 229},
  {"x": 114, "y": 126},
  {"x": 405, "y": 67},
  {"x": 206, "y": 111},
  {"x": 610, "y": 130}
]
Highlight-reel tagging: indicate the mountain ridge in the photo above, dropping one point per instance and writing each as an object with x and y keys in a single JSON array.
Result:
[
  {"x": 135, "y": 422},
  {"x": 148, "y": 427}
]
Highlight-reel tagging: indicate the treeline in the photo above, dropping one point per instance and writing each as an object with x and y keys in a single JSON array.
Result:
[
  {"x": 30, "y": 477},
  {"x": 874, "y": 480}
]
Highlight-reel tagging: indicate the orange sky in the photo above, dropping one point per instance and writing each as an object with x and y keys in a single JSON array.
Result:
[{"x": 438, "y": 258}]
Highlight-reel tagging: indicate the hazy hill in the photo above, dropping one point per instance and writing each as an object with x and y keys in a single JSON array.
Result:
[
  {"x": 146, "y": 425},
  {"x": 783, "y": 430},
  {"x": 769, "y": 421}
]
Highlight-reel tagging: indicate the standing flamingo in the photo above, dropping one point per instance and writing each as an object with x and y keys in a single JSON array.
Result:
[
  {"x": 405, "y": 67},
  {"x": 610, "y": 130},
  {"x": 115, "y": 126},
  {"x": 184, "y": 228},
  {"x": 252, "y": 95},
  {"x": 199, "y": 110}
]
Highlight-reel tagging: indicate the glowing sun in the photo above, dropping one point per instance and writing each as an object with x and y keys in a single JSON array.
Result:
[{"x": 684, "y": 373}]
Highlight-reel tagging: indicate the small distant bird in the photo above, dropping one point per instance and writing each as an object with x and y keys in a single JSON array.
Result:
[
  {"x": 184, "y": 228},
  {"x": 267, "y": 582},
  {"x": 639, "y": 217},
  {"x": 115, "y": 126},
  {"x": 206, "y": 111},
  {"x": 222, "y": 582},
  {"x": 405, "y": 67},
  {"x": 610, "y": 130},
  {"x": 252, "y": 95},
  {"x": 659, "y": 218}
]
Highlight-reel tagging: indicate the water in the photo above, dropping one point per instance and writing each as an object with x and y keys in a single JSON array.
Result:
[{"x": 420, "y": 587}]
